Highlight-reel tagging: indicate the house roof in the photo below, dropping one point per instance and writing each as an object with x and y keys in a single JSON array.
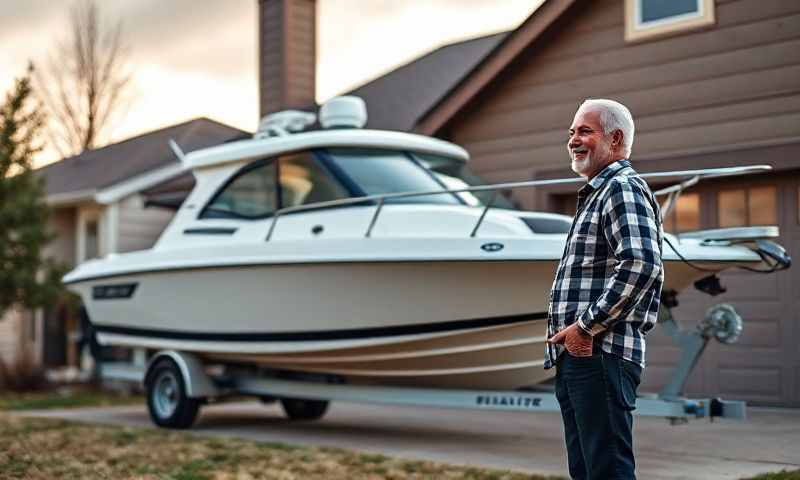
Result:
[
  {"x": 398, "y": 99},
  {"x": 104, "y": 167},
  {"x": 490, "y": 66}
]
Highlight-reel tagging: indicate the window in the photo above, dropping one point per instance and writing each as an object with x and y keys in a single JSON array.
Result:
[
  {"x": 251, "y": 194},
  {"x": 762, "y": 208},
  {"x": 304, "y": 181},
  {"x": 454, "y": 174},
  {"x": 744, "y": 207},
  {"x": 651, "y": 18},
  {"x": 377, "y": 172},
  {"x": 92, "y": 249},
  {"x": 732, "y": 208},
  {"x": 685, "y": 216}
]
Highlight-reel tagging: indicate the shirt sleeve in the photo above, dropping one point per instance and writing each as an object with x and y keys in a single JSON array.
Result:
[{"x": 631, "y": 229}]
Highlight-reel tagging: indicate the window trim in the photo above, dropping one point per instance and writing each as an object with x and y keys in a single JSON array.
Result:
[{"x": 637, "y": 31}]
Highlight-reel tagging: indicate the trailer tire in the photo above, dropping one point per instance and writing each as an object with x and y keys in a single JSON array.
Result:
[
  {"x": 167, "y": 402},
  {"x": 304, "y": 409}
]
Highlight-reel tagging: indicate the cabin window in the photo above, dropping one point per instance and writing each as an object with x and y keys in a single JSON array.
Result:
[
  {"x": 745, "y": 207},
  {"x": 251, "y": 194},
  {"x": 303, "y": 180},
  {"x": 685, "y": 215},
  {"x": 378, "y": 172},
  {"x": 652, "y": 18}
]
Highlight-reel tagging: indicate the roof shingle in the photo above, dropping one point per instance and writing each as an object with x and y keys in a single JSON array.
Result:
[
  {"x": 109, "y": 165},
  {"x": 398, "y": 99}
]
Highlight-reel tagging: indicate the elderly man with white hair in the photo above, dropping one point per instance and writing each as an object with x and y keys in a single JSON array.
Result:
[{"x": 605, "y": 296}]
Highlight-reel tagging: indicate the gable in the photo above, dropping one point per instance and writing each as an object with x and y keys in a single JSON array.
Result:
[{"x": 720, "y": 96}]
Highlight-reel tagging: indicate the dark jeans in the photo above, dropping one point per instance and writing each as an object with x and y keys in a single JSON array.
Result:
[{"x": 597, "y": 395}]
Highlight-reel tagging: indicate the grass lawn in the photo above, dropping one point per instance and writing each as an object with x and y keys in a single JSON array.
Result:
[
  {"x": 784, "y": 475},
  {"x": 45, "y": 448},
  {"x": 39, "y": 449},
  {"x": 67, "y": 397}
]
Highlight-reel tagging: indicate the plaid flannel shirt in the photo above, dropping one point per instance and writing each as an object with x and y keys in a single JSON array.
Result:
[{"x": 610, "y": 276}]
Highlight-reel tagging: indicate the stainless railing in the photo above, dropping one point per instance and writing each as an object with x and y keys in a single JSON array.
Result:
[{"x": 673, "y": 191}]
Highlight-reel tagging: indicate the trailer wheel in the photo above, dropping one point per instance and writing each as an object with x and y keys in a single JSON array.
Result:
[
  {"x": 303, "y": 409},
  {"x": 166, "y": 397}
]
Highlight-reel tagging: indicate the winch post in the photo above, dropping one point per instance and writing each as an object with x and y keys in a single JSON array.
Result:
[{"x": 691, "y": 345}]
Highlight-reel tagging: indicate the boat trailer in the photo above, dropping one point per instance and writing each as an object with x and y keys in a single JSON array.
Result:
[{"x": 178, "y": 383}]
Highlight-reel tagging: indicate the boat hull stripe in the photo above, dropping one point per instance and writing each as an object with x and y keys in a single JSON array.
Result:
[{"x": 326, "y": 334}]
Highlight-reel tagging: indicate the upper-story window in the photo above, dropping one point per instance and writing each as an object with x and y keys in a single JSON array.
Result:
[{"x": 650, "y": 18}]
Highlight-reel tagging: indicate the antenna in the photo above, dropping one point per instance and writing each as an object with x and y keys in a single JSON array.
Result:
[{"x": 177, "y": 151}]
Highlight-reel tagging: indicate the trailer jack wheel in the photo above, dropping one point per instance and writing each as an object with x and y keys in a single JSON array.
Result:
[
  {"x": 167, "y": 401},
  {"x": 304, "y": 409},
  {"x": 723, "y": 323}
]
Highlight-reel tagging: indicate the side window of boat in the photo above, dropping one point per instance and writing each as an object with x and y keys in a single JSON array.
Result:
[
  {"x": 304, "y": 181},
  {"x": 252, "y": 194}
]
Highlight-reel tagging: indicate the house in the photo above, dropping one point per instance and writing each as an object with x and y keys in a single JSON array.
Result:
[
  {"x": 98, "y": 203},
  {"x": 711, "y": 83}
]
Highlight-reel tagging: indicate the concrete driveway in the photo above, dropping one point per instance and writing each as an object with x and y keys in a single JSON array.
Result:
[{"x": 768, "y": 441}]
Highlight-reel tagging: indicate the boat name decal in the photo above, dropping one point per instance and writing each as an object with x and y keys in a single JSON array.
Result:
[
  {"x": 492, "y": 247},
  {"x": 508, "y": 401},
  {"x": 112, "y": 292}
]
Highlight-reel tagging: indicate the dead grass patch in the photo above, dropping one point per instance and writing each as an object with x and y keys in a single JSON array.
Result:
[{"x": 39, "y": 449}]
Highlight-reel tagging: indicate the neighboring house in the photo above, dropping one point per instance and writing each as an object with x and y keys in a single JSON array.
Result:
[
  {"x": 98, "y": 207},
  {"x": 711, "y": 83}
]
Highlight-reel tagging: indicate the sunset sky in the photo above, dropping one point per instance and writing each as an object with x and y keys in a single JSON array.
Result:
[{"x": 193, "y": 58}]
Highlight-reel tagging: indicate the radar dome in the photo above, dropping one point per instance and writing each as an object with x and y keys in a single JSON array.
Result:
[{"x": 343, "y": 112}]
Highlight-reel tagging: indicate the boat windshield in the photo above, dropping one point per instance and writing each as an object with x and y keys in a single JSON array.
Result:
[
  {"x": 455, "y": 173},
  {"x": 379, "y": 171}
]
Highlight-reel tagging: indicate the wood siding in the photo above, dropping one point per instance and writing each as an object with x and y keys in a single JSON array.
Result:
[
  {"x": 140, "y": 227},
  {"x": 724, "y": 95},
  {"x": 732, "y": 84}
]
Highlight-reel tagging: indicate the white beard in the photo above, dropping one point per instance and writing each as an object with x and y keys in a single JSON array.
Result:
[{"x": 582, "y": 167}]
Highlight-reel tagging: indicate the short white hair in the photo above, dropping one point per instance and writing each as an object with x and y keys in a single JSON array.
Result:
[{"x": 613, "y": 116}]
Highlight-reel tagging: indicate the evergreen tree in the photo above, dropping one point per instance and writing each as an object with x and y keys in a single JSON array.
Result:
[{"x": 26, "y": 278}]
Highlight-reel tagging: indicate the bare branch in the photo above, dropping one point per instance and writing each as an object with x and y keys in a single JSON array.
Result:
[{"x": 83, "y": 83}]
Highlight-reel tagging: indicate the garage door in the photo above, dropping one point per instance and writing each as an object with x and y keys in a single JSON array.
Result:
[{"x": 763, "y": 367}]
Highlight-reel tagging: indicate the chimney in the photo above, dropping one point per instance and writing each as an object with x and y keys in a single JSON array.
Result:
[{"x": 287, "y": 50}]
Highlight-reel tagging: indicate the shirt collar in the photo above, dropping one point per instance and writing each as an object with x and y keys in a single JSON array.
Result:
[{"x": 601, "y": 178}]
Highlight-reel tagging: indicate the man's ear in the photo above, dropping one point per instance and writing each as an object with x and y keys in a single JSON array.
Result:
[{"x": 617, "y": 138}]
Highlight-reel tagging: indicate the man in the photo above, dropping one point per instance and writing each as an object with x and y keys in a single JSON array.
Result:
[{"x": 605, "y": 296}]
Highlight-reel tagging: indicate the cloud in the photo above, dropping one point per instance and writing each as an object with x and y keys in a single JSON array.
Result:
[{"x": 198, "y": 57}]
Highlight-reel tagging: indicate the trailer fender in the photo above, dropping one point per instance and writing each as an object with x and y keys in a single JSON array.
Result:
[{"x": 198, "y": 383}]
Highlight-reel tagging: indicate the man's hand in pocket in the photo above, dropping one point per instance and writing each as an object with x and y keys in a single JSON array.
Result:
[{"x": 577, "y": 342}]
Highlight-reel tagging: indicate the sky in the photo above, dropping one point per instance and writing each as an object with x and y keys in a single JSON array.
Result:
[{"x": 198, "y": 58}]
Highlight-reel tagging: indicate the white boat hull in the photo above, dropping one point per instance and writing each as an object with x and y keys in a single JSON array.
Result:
[{"x": 449, "y": 324}]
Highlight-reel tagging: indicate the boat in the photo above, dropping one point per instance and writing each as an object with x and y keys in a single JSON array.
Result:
[{"x": 365, "y": 257}]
